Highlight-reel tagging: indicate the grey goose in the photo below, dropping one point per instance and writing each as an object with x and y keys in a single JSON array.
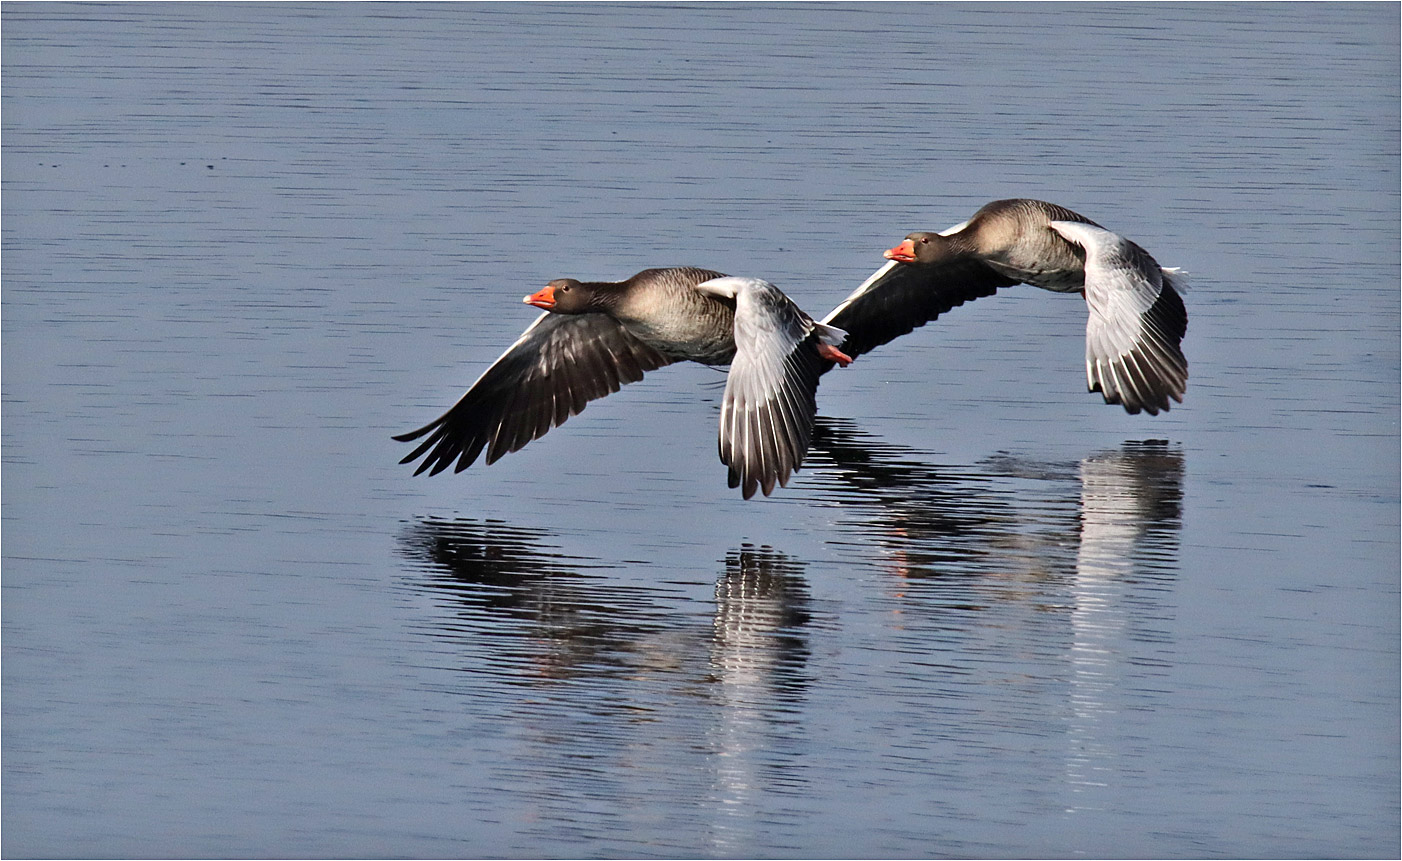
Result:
[
  {"x": 596, "y": 336},
  {"x": 1137, "y": 319}
]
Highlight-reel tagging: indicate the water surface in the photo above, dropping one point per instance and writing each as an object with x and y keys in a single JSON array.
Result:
[{"x": 243, "y": 245}]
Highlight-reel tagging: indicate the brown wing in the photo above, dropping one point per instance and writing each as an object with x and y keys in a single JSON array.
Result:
[{"x": 557, "y": 366}]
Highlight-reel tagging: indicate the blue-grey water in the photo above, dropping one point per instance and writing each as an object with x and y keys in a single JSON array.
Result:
[{"x": 244, "y": 244}]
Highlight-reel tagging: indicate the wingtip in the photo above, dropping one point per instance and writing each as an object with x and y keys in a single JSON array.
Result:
[{"x": 410, "y": 436}]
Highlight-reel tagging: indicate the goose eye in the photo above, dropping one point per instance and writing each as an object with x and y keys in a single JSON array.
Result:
[{"x": 924, "y": 240}]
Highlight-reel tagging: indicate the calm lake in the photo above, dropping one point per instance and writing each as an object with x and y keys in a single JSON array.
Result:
[{"x": 243, "y": 245}]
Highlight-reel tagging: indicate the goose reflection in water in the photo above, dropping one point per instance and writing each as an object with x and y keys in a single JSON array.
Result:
[
  {"x": 563, "y": 616},
  {"x": 1116, "y": 575},
  {"x": 627, "y": 684},
  {"x": 1064, "y": 565},
  {"x": 1003, "y": 517}
]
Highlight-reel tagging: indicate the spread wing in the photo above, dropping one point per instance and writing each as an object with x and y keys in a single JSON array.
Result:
[
  {"x": 1137, "y": 322},
  {"x": 766, "y": 415},
  {"x": 558, "y": 365},
  {"x": 900, "y": 297}
]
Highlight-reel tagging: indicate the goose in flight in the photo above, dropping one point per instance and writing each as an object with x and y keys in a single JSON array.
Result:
[
  {"x": 596, "y": 336},
  {"x": 1136, "y": 315}
]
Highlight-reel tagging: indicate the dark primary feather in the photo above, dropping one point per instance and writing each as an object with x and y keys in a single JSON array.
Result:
[
  {"x": 552, "y": 371},
  {"x": 908, "y": 296}
]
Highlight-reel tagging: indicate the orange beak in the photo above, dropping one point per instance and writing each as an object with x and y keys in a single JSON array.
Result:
[
  {"x": 542, "y": 298},
  {"x": 904, "y": 253}
]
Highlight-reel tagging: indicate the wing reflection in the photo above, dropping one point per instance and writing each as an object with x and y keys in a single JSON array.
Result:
[
  {"x": 759, "y": 638},
  {"x": 1069, "y": 566},
  {"x": 1023, "y": 602},
  {"x": 923, "y": 519},
  {"x": 624, "y": 679},
  {"x": 1131, "y": 508},
  {"x": 563, "y": 616},
  {"x": 539, "y": 609},
  {"x": 1005, "y": 517},
  {"x": 759, "y": 655},
  {"x": 931, "y": 500}
]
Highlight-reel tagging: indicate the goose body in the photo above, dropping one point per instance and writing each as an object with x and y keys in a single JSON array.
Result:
[
  {"x": 596, "y": 336},
  {"x": 1136, "y": 314}
]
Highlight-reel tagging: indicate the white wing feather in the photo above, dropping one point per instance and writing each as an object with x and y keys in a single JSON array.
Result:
[
  {"x": 1136, "y": 321},
  {"x": 766, "y": 421}
]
